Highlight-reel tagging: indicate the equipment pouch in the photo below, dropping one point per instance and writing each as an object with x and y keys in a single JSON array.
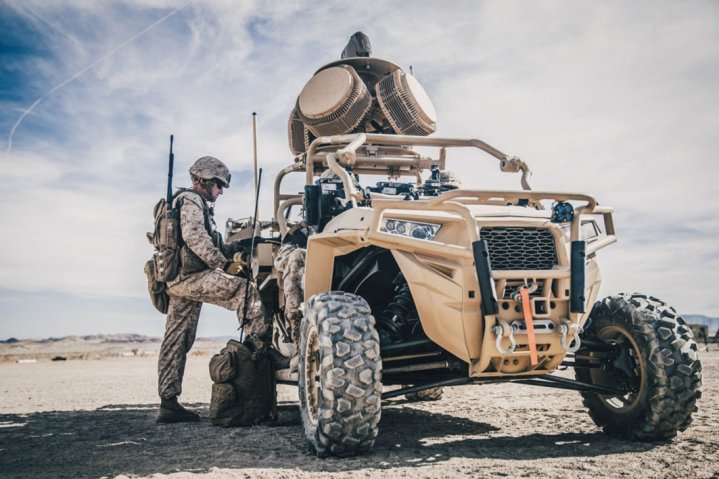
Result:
[
  {"x": 167, "y": 227},
  {"x": 166, "y": 264},
  {"x": 157, "y": 289},
  {"x": 166, "y": 238},
  {"x": 191, "y": 263},
  {"x": 221, "y": 368},
  {"x": 224, "y": 406}
]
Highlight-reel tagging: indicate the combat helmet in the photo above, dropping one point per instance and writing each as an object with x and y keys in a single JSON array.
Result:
[{"x": 210, "y": 168}]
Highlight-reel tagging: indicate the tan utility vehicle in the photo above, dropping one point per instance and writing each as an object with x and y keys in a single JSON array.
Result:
[
  {"x": 424, "y": 284},
  {"x": 465, "y": 286}
]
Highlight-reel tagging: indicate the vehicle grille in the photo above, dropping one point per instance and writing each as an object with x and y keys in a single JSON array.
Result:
[{"x": 517, "y": 248}]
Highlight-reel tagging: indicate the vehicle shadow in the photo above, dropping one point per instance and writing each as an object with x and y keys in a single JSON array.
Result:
[{"x": 123, "y": 439}]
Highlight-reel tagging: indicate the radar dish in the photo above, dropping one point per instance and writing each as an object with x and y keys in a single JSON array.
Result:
[
  {"x": 296, "y": 133},
  {"x": 334, "y": 101},
  {"x": 406, "y": 105}
]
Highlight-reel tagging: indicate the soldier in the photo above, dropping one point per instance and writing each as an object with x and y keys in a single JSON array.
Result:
[
  {"x": 202, "y": 279},
  {"x": 290, "y": 263}
]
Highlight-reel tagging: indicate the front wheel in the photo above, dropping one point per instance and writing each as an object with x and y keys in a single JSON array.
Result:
[
  {"x": 654, "y": 361},
  {"x": 340, "y": 374}
]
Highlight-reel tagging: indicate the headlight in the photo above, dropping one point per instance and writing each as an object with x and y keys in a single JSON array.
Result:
[{"x": 410, "y": 229}]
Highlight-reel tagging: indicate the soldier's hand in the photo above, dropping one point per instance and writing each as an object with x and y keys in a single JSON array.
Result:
[{"x": 237, "y": 265}]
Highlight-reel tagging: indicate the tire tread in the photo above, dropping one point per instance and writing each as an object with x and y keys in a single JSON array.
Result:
[
  {"x": 672, "y": 366},
  {"x": 350, "y": 372}
]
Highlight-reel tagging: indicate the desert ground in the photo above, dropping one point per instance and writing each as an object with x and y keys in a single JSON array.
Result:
[{"x": 92, "y": 415}]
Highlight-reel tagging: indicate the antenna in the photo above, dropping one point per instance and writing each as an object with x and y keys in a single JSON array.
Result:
[
  {"x": 248, "y": 278},
  {"x": 254, "y": 146},
  {"x": 169, "y": 174}
]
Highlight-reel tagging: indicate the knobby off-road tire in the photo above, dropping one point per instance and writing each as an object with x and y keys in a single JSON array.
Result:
[
  {"x": 657, "y": 358},
  {"x": 340, "y": 375},
  {"x": 432, "y": 394}
]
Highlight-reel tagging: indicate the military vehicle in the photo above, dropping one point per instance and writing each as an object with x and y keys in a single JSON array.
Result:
[{"x": 417, "y": 283}]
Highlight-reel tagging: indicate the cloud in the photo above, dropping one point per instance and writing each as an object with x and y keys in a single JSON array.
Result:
[
  {"x": 80, "y": 72},
  {"x": 619, "y": 100}
]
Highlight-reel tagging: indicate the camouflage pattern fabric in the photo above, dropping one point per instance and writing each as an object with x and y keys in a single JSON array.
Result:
[
  {"x": 210, "y": 168},
  {"x": 194, "y": 230},
  {"x": 290, "y": 263},
  {"x": 180, "y": 330},
  {"x": 188, "y": 291},
  {"x": 186, "y": 297}
]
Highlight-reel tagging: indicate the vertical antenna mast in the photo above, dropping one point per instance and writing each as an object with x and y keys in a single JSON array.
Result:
[
  {"x": 254, "y": 145},
  {"x": 169, "y": 174}
]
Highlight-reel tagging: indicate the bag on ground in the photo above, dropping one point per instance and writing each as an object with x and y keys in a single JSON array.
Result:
[{"x": 248, "y": 397}]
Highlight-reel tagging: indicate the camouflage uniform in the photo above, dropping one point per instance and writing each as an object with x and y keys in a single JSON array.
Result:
[
  {"x": 290, "y": 263},
  {"x": 201, "y": 280}
]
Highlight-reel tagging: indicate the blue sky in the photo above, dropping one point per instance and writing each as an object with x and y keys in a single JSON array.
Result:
[{"x": 616, "y": 99}]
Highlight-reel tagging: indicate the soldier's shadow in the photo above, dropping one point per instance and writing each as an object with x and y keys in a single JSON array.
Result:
[{"x": 123, "y": 439}]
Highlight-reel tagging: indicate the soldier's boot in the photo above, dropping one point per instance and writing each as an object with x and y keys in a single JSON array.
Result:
[
  {"x": 294, "y": 359},
  {"x": 278, "y": 360},
  {"x": 171, "y": 411},
  {"x": 295, "y": 320}
]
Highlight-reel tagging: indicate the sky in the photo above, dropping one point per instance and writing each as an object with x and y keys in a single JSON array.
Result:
[{"x": 616, "y": 99}]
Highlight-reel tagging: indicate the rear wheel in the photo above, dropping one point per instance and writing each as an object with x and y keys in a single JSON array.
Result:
[
  {"x": 654, "y": 361},
  {"x": 340, "y": 375}
]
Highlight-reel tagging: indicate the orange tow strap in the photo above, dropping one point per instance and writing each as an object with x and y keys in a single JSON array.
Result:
[{"x": 527, "y": 310}]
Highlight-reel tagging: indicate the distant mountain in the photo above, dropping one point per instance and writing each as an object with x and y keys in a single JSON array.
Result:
[
  {"x": 711, "y": 323},
  {"x": 93, "y": 346},
  {"x": 106, "y": 339}
]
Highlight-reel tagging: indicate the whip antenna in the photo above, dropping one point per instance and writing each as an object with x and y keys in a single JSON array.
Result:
[
  {"x": 258, "y": 180},
  {"x": 254, "y": 146},
  {"x": 169, "y": 174},
  {"x": 249, "y": 260}
]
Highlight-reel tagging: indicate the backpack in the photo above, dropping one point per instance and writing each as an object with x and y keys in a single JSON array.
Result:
[
  {"x": 244, "y": 389},
  {"x": 165, "y": 262},
  {"x": 167, "y": 240}
]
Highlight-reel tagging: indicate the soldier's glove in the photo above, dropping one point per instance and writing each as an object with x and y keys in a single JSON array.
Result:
[
  {"x": 237, "y": 265},
  {"x": 239, "y": 251}
]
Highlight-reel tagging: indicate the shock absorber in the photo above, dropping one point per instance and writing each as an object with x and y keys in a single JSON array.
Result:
[{"x": 392, "y": 321}]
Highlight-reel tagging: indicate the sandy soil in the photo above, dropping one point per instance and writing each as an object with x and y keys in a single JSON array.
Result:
[{"x": 95, "y": 418}]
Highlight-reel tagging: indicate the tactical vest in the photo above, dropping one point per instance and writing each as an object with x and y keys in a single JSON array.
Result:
[{"x": 189, "y": 261}]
